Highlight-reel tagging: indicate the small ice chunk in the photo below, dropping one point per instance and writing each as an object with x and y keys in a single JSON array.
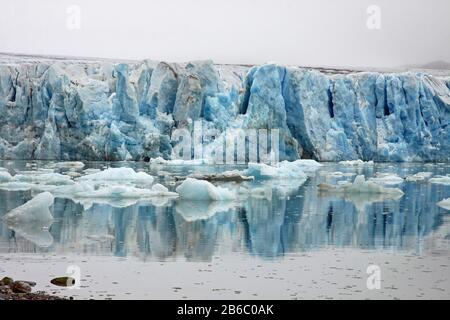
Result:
[
  {"x": 230, "y": 176},
  {"x": 91, "y": 171},
  {"x": 337, "y": 174},
  {"x": 360, "y": 185},
  {"x": 445, "y": 180},
  {"x": 5, "y": 177},
  {"x": 120, "y": 175},
  {"x": 444, "y": 204},
  {"x": 44, "y": 178},
  {"x": 282, "y": 170},
  {"x": 178, "y": 162},
  {"x": 194, "y": 189},
  {"x": 124, "y": 192},
  {"x": 159, "y": 188},
  {"x": 387, "y": 179},
  {"x": 69, "y": 165},
  {"x": 419, "y": 176},
  {"x": 37, "y": 209}
]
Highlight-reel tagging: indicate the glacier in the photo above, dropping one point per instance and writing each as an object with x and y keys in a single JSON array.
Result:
[{"x": 73, "y": 109}]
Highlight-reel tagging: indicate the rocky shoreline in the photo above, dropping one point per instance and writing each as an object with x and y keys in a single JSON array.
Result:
[{"x": 22, "y": 290}]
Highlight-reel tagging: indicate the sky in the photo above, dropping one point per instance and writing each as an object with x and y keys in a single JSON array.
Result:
[{"x": 342, "y": 33}]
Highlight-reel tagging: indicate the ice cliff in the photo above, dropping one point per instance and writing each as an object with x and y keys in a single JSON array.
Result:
[{"x": 80, "y": 109}]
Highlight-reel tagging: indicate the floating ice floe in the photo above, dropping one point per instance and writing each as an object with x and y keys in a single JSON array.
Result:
[
  {"x": 227, "y": 176},
  {"x": 72, "y": 174},
  {"x": 125, "y": 192},
  {"x": 387, "y": 179},
  {"x": 282, "y": 170},
  {"x": 419, "y": 176},
  {"x": 194, "y": 189},
  {"x": 68, "y": 165},
  {"x": 24, "y": 186},
  {"x": 179, "y": 162},
  {"x": 337, "y": 174},
  {"x": 5, "y": 177},
  {"x": 91, "y": 171},
  {"x": 42, "y": 177},
  {"x": 440, "y": 180},
  {"x": 358, "y": 162},
  {"x": 444, "y": 204},
  {"x": 360, "y": 185},
  {"x": 37, "y": 209},
  {"x": 119, "y": 175}
]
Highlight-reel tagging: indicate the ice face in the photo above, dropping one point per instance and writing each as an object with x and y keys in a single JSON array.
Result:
[{"x": 61, "y": 109}]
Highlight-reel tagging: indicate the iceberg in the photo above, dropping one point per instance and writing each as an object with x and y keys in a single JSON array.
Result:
[
  {"x": 193, "y": 189},
  {"x": 37, "y": 209}
]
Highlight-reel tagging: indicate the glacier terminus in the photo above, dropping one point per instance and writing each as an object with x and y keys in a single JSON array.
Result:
[{"x": 98, "y": 109}]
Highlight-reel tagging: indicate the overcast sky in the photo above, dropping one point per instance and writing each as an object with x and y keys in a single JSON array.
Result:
[{"x": 300, "y": 32}]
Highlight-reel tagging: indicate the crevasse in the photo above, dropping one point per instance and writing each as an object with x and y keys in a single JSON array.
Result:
[{"x": 75, "y": 109}]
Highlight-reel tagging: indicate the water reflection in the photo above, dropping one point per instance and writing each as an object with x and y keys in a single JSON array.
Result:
[{"x": 266, "y": 227}]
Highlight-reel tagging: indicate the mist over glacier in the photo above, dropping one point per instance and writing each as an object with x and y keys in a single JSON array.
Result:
[{"x": 81, "y": 109}]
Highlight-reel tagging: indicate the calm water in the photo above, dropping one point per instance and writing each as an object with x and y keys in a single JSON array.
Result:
[{"x": 287, "y": 220}]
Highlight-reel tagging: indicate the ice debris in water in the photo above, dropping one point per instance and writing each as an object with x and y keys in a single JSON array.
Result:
[
  {"x": 179, "y": 162},
  {"x": 337, "y": 174},
  {"x": 69, "y": 165},
  {"x": 282, "y": 170},
  {"x": 194, "y": 189},
  {"x": 37, "y": 209},
  {"x": 119, "y": 175},
  {"x": 42, "y": 177},
  {"x": 124, "y": 192},
  {"x": 358, "y": 162},
  {"x": 233, "y": 175},
  {"x": 419, "y": 176},
  {"x": 445, "y": 180},
  {"x": 387, "y": 178},
  {"x": 444, "y": 204},
  {"x": 5, "y": 176},
  {"x": 360, "y": 185}
]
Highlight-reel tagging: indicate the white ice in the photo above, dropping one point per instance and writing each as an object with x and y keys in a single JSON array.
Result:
[
  {"x": 119, "y": 175},
  {"x": 419, "y": 176},
  {"x": 445, "y": 180},
  {"x": 387, "y": 179},
  {"x": 360, "y": 185},
  {"x": 444, "y": 204},
  {"x": 5, "y": 177},
  {"x": 194, "y": 189},
  {"x": 37, "y": 209}
]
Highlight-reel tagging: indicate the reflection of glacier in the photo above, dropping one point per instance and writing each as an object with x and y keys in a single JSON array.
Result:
[{"x": 263, "y": 227}]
